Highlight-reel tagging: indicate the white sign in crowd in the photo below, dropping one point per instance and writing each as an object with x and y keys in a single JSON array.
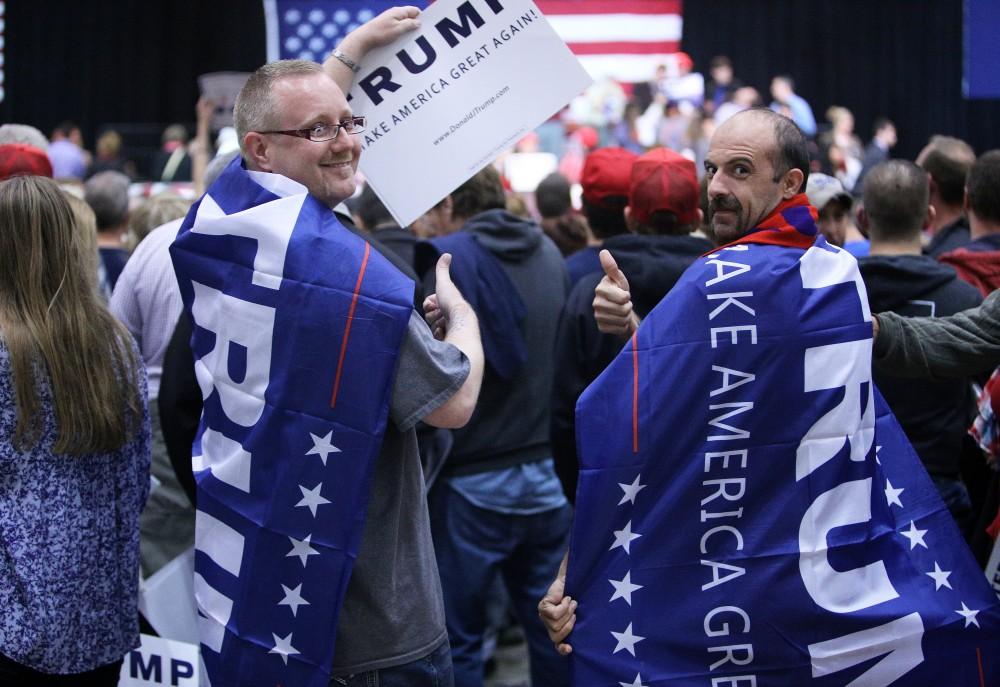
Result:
[{"x": 444, "y": 102}]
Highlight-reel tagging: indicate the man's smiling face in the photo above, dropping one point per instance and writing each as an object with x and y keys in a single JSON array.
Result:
[{"x": 325, "y": 168}]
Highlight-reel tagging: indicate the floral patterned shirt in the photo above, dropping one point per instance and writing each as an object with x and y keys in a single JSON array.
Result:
[{"x": 69, "y": 543}]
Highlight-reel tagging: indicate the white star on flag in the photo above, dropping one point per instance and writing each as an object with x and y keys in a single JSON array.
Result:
[
  {"x": 969, "y": 615},
  {"x": 877, "y": 449},
  {"x": 916, "y": 536},
  {"x": 637, "y": 682},
  {"x": 322, "y": 446},
  {"x": 311, "y": 498},
  {"x": 940, "y": 577},
  {"x": 624, "y": 538},
  {"x": 892, "y": 495},
  {"x": 631, "y": 490},
  {"x": 624, "y": 588},
  {"x": 293, "y": 599},
  {"x": 302, "y": 549},
  {"x": 626, "y": 640},
  {"x": 283, "y": 647}
]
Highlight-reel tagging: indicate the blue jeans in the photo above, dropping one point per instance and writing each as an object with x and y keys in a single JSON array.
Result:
[
  {"x": 433, "y": 670},
  {"x": 474, "y": 545}
]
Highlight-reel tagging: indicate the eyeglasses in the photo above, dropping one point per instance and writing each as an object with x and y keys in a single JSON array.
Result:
[{"x": 325, "y": 132}]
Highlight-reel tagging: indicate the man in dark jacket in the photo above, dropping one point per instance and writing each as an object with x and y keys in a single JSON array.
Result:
[
  {"x": 947, "y": 161},
  {"x": 933, "y": 414},
  {"x": 978, "y": 262},
  {"x": 498, "y": 508},
  {"x": 604, "y": 181},
  {"x": 662, "y": 212}
]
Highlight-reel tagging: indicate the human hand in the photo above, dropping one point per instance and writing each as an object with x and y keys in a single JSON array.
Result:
[
  {"x": 444, "y": 307},
  {"x": 382, "y": 30},
  {"x": 204, "y": 109},
  {"x": 558, "y": 612},
  {"x": 613, "y": 300}
]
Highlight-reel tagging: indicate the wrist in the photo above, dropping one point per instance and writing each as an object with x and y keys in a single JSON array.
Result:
[
  {"x": 459, "y": 314},
  {"x": 354, "y": 47}
]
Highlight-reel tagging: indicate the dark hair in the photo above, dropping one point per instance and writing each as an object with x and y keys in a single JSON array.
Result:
[
  {"x": 370, "y": 210},
  {"x": 984, "y": 186},
  {"x": 881, "y": 123},
  {"x": 720, "y": 61},
  {"x": 895, "y": 196},
  {"x": 787, "y": 79},
  {"x": 948, "y": 161},
  {"x": 552, "y": 195},
  {"x": 791, "y": 148},
  {"x": 606, "y": 222},
  {"x": 664, "y": 223},
  {"x": 482, "y": 192},
  {"x": 65, "y": 128}
]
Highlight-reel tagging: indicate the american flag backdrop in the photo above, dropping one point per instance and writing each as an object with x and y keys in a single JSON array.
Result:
[{"x": 622, "y": 39}]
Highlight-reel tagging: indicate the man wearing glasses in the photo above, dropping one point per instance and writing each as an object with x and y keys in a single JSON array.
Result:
[{"x": 294, "y": 122}]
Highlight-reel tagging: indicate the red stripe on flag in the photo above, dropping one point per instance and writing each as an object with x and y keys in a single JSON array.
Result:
[
  {"x": 625, "y": 48},
  {"x": 635, "y": 394},
  {"x": 347, "y": 328},
  {"x": 979, "y": 658},
  {"x": 609, "y": 6}
]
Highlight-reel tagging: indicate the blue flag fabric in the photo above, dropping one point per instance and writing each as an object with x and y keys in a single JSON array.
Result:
[
  {"x": 311, "y": 29},
  {"x": 298, "y": 325},
  {"x": 749, "y": 512}
]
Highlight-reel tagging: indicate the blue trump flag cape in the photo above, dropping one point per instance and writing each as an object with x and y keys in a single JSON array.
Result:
[
  {"x": 749, "y": 512},
  {"x": 297, "y": 327}
]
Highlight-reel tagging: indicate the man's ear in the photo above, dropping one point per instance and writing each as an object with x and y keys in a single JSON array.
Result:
[
  {"x": 629, "y": 220},
  {"x": 257, "y": 151},
  {"x": 791, "y": 183},
  {"x": 863, "y": 220},
  {"x": 932, "y": 213}
]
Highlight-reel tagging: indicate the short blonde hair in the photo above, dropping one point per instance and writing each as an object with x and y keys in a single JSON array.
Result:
[{"x": 255, "y": 108}]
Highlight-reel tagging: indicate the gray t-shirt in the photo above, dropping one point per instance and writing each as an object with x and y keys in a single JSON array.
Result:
[{"x": 393, "y": 612}]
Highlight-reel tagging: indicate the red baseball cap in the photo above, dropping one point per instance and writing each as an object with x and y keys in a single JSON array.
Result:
[
  {"x": 664, "y": 180},
  {"x": 22, "y": 160},
  {"x": 606, "y": 173}
]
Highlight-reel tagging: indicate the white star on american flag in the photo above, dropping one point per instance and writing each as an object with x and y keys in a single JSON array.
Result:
[
  {"x": 626, "y": 640},
  {"x": 322, "y": 446},
  {"x": 631, "y": 490},
  {"x": 311, "y": 498},
  {"x": 624, "y": 588},
  {"x": 624, "y": 537},
  {"x": 916, "y": 536},
  {"x": 302, "y": 549},
  {"x": 940, "y": 577},
  {"x": 283, "y": 647},
  {"x": 293, "y": 599},
  {"x": 892, "y": 495},
  {"x": 969, "y": 615}
]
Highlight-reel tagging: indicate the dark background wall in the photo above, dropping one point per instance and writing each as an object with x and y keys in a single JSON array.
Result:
[
  {"x": 896, "y": 58},
  {"x": 130, "y": 62}
]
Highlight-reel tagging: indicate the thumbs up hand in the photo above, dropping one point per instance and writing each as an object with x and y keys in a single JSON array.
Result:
[
  {"x": 444, "y": 308},
  {"x": 613, "y": 301}
]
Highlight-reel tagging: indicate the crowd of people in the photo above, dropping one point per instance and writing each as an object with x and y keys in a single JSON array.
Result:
[{"x": 520, "y": 302}]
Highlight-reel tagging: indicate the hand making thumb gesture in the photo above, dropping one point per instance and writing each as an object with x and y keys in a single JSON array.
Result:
[{"x": 613, "y": 301}]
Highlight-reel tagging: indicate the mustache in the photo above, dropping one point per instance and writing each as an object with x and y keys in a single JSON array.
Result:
[{"x": 729, "y": 203}]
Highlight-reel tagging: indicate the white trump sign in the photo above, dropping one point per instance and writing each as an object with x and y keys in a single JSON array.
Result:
[
  {"x": 445, "y": 101},
  {"x": 161, "y": 662}
]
